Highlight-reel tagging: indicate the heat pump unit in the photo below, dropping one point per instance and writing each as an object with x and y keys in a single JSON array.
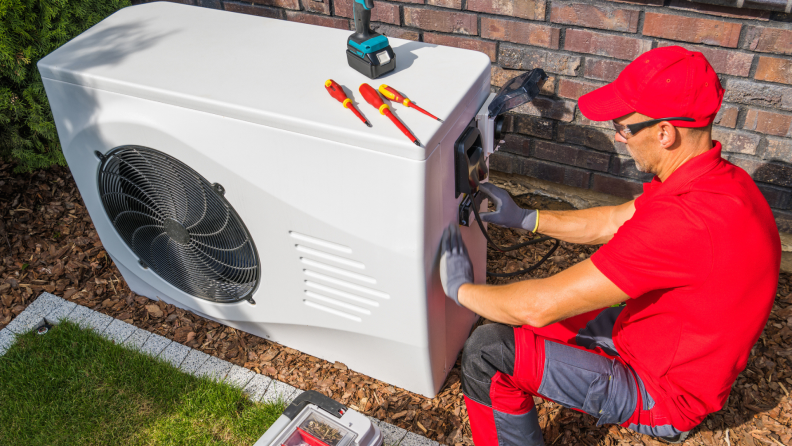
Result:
[{"x": 224, "y": 179}]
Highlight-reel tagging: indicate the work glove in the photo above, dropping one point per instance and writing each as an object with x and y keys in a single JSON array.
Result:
[
  {"x": 507, "y": 212},
  {"x": 455, "y": 266}
]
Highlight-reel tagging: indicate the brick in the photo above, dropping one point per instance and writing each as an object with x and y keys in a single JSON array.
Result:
[
  {"x": 778, "y": 149},
  {"x": 524, "y": 9},
  {"x": 640, "y": 2},
  {"x": 582, "y": 120},
  {"x": 526, "y": 125},
  {"x": 572, "y": 89},
  {"x": 453, "y": 4},
  {"x": 627, "y": 48},
  {"x": 773, "y": 69},
  {"x": 783, "y": 220},
  {"x": 620, "y": 187},
  {"x": 720, "y": 11},
  {"x": 396, "y": 32},
  {"x": 727, "y": 116},
  {"x": 502, "y": 162},
  {"x": 287, "y": 4},
  {"x": 319, "y": 20},
  {"x": 735, "y": 141},
  {"x": 763, "y": 95},
  {"x": 571, "y": 176},
  {"x": 499, "y": 77},
  {"x": 523, "y": 58},
  {"x": 519, "y": 145},
  {"x": 574, "y": 156},
  {"x": 723, "y": 61},
  {"x": 776, "y": 197},
  {"x": 383, "y": 11},
  {"x": 768, "y": 40},
  {"x": 558, "y": 109},
  {"x": 779, "y": 174},
  {"x": 768, "y": 122},
  {"x": 690, "y": 29},
  {"x": 211, "y": 4},
  {"x": 595, "y": 16},
  {"x": 599, "y": 139},
  {"x": 488, "y": 48},
  {"x": 520, "y": 32},
  {"x": 322, "y": 7},
  {"x": 261, "y": 11},
  {"x": 443, "y": 21},
  {"x": 624, "y": 166},
  {"x": 602, "y": 69}
]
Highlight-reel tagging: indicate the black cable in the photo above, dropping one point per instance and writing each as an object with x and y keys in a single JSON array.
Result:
[{"x": 513, "y": 247}]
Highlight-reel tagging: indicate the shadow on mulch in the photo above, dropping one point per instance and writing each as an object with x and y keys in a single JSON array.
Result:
[{"x": 48, "y": 243}]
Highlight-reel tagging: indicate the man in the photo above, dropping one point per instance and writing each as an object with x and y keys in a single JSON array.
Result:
[{"x": 696, "y": 259}]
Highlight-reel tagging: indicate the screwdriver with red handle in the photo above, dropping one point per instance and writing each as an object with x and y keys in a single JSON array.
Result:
[
  {"x": 371, "y": 96},
  {"x": 337, "y": 92},
  {"x": 393, "y": 95}
]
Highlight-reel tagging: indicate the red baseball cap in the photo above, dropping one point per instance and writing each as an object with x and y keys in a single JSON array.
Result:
[{"x": 662, "y": 83}]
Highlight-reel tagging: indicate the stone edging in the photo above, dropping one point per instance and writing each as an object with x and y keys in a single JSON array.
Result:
[{"x": 259, "y": 388}]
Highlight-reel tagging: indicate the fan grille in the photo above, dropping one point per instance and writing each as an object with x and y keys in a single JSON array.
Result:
[{"x": 178, "y": 224}]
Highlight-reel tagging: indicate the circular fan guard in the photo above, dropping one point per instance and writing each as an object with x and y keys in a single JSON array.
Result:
[{"x": 178, "y": 224}]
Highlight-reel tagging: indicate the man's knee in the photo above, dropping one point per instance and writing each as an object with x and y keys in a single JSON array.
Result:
[{"x": 489, "y": 349}]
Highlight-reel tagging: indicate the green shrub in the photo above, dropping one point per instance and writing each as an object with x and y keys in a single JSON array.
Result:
[{"x": 29, "y": 30}]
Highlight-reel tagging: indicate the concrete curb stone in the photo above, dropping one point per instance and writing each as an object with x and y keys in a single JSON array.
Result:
[
  {"x": 118, "y": 331},
  {"x": 257, "y": 387},
  {"x": 278, "y": 390},
  {"x": 412, "y": 439},
  {"x": 25, "y": 322},
  {"x": 7, "y": 338},
  {"x": 96, "y": 321},
  {"x": 214, "y": 368},
  {"x": 193, "y": 361},
  {"x": 60, "y": 313},
  {"x": 45, "y": 304},
  {"x": 79, "y": 314},
  {"x": 137, "y": 339},
  {"x": 155, "y": 344},
  {"x": 175, "y": 353},
  {"x": 239, "y": 376},
  {"x": 391, "y": 435}
]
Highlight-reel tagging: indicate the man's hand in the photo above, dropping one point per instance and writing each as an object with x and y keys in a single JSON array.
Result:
[
  {"x": 455, "y": 267},
  {"x": 506, "y": 212}
]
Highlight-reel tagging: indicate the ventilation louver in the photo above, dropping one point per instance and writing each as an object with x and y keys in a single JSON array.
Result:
[{"x": 178, "y": 224}]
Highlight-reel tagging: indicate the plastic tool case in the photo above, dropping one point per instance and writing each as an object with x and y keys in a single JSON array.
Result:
[
  {"x": 313, "y": 419},
  {"x": 222, "y": 178}
]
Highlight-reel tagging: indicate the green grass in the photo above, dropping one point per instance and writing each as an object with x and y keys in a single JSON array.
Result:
[{"x": 73, "y": 387}]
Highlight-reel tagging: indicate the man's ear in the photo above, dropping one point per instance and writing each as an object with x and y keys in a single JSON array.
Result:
[{"x": 666, "y": 135}]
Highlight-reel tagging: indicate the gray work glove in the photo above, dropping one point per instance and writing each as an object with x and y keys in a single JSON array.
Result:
[
  {"x": 506, "y": 212},
  {"x": 455, "y": 267}
]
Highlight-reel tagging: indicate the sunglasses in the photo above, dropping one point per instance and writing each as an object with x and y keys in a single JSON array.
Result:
[{"x": 629, "y": 130}]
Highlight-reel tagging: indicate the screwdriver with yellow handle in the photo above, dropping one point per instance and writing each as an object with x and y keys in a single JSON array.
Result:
[
  {"x": 371, "y": 96},
  {"x": 337, "y": 92},
  {"x": 393, "y": 95}
]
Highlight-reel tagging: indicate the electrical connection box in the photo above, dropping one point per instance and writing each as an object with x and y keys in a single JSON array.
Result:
[{"x": 313, "y": 419}]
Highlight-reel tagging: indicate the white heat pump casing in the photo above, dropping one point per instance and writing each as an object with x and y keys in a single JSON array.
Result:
[{"x": 346, "y": 219}]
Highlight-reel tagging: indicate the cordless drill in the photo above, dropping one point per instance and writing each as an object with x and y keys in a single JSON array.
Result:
[{"x": 367, "y": 51}]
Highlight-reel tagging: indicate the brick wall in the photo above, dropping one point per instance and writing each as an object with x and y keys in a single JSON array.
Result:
[{"x": 583, "y": 44}]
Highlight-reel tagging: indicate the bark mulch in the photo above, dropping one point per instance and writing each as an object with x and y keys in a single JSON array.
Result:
[{"x": 48, "y": 243}]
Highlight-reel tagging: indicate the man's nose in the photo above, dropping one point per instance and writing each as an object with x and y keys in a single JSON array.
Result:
[{"x": 620, "y": 138}]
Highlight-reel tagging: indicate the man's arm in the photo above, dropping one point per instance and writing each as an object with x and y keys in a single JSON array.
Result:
[
  {"x": 541, "y": 302},
  {"x": 593, "y": 226}
]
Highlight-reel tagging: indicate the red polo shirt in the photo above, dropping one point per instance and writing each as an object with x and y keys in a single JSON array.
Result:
[{"x": 700, "y": 260}]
